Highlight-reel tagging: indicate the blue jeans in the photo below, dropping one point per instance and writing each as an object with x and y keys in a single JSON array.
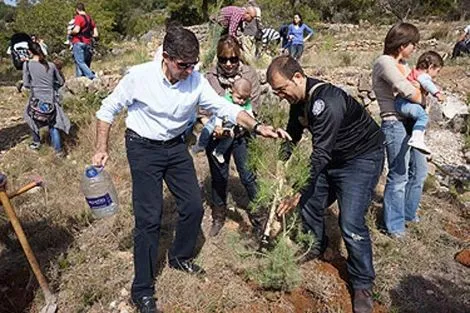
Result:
[
  {"x": 412, "y": 110},
  {"x": 296, "y": 51},
  {"x": 54, "y": 134},
  {"x": 407, "y": 171},
  {"x": 220, "y": 172},
  {"x": 150, "y": 164},
  {"x": 82, "y": 56},
  {"x": 352, "y": 183}
]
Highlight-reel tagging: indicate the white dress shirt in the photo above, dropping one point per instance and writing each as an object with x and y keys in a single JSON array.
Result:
[{"x": 160, "y": 110}]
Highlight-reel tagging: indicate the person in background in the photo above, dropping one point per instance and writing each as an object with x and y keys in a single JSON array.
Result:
[
  {"x": 231, "y": 18},
  {"x": 161, "y": 98},
  {"x": 41, "y": 43},
  {"x": 285, "y": 42},
  {"x": 68, "y": 38},
  {"x": 407, "y": 167},
  {"x": 83, "y": 33},
  {"x": 295, "y": 34},
  {"x": 462, "y": 47},
  {"x": 43, "y": 79}
]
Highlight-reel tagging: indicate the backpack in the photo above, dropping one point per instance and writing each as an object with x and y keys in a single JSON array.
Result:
[
  {"x": 18, "y": 57},
  {"x": 86, "y": 31},
  {"x": 19, "y": 43}
]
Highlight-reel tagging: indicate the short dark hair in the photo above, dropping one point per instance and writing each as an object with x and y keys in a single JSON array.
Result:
[
  {"x": 401, "y": 34},
  {"x": 181, "y": 43},
  {"x": 80, "y": 6},
  {"x": 428, "y": 59},
  {"x": 285, "y": 65}
]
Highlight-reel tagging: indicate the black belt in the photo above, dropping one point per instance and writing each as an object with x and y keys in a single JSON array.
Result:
[{"x": 132, "y": 134}]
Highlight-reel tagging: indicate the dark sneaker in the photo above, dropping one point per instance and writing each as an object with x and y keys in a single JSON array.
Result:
[
  {"x": 188, "y": 267},
  {"x": 19, "y": 85},
  {"x": 35, "y": 146},
  {"x": 146, "y": 304},
  {"x": 362, "y": 301},
  {"x": 216, "y": 228}
]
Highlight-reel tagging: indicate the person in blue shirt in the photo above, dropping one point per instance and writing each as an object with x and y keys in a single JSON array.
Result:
[
  {"x": 161, "y": 98},
  {"x": 296, "y": 38}
]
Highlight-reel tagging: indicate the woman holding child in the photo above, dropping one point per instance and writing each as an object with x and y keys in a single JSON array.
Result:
[
  {"x": 407, "y": 167},
  {"x": 222, "y": 77}
]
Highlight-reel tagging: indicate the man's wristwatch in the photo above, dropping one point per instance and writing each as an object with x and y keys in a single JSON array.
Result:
[{"x": 255, "y": 128}]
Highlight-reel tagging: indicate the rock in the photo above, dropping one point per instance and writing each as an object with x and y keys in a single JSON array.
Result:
[
  {"x": 431, "y": 169},
  {"x": 374, "y": 110},
  {"x": 78, "y": 85},
  {"x": 118, "y": 51},
  {"x": 124, "y": 293},
  {"x": 453, "y": 106},
  {"x": 458, "y": 124},
  {"x": 112, "y": 305},
  {"x": 463, "y": 257},
  {"x": 435, "y": 113},
  {"x": 124, "y": 308},
  {"x": 364, "y": 84},
  {"x": 363, "y": 94},
  {"x": 149, "y": 36},
  {"x": 467, "y": 156}
]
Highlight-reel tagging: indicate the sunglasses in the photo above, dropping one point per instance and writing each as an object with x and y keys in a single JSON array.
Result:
[
  {"x": 232, "y": 60},
  {"x": 186, "y": 65}
]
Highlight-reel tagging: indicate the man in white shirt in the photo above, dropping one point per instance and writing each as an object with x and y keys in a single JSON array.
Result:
[
  {"x": 161, "y": 98},
  {"x": 463, "y": 45}
]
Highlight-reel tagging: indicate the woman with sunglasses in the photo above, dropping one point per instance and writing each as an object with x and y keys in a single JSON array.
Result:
[
  {"x": 407, "y": 167},
  {"x": 221, "y": 77}
]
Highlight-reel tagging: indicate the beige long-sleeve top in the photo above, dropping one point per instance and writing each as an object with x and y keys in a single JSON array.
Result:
[{"x": 388, "y": 82}]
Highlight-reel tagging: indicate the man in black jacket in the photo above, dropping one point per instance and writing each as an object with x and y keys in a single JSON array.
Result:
[{"x": 346, "y": 162}]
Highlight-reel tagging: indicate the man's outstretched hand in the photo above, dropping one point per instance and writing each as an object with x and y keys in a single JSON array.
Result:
[{"x": 269, "y": 132}]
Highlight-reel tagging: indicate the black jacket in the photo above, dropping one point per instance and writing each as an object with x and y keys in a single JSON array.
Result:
[{"x": 340, "y": 126}]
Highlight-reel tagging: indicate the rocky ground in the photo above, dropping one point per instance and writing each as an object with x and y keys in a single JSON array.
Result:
[{"x": 89, "y": 262}]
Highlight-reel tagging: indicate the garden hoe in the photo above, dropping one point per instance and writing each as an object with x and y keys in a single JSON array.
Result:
[{"x": 51, "y": 305}]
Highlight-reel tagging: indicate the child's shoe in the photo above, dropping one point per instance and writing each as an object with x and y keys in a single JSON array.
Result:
[
  {"x": 417, "y": 141},
  {"x": 218, "y": 156}
]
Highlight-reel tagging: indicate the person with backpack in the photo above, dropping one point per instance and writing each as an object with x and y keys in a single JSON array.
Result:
[
  {"x": 83, "y": 34},
  {"x": 43, "y": 79}
]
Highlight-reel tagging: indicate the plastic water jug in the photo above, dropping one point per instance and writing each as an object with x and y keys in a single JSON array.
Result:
[{"x": 99, "y": 192}]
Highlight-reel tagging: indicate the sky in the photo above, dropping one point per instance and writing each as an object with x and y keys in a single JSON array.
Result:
[{"x": 12, "y": 2}]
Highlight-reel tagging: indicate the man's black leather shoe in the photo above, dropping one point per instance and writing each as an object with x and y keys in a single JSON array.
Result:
[
  {"x": 146, "y": 304},
  {"x": 188, "y": 267}
]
